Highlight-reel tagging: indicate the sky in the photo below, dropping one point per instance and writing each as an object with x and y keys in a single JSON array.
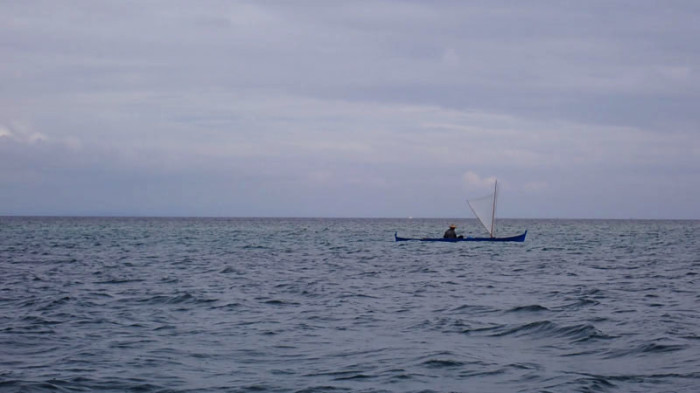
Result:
[{"x": 580, "y": 109}]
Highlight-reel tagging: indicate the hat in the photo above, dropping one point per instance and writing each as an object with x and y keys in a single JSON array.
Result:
[{"x": 453, "y": 226}]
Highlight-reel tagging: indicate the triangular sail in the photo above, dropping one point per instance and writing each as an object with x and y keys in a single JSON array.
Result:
[{"x": 484, "y": 209}]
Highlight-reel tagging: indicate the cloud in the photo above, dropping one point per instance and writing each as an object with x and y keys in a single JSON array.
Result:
[
  {"x": 20, "y": 133},
  {"x": 6, "y": 133},
  {"x": 378, "y": 108},
  {"x": 472, "y": 180}
]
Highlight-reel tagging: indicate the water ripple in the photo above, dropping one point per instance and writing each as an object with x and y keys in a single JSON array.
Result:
[{"x": 334, "y": 305}]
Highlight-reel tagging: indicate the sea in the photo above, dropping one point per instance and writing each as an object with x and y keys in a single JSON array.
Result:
[{"x": 336, "y": 305}]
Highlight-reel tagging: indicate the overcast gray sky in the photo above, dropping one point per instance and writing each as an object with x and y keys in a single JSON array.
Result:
[{"x": 585, "y": 109}]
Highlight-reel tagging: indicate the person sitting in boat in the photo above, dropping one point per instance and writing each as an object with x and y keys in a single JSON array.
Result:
[{"x": 450, "y": 233}]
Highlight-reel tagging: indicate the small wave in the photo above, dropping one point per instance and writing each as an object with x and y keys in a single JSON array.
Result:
[
  {"x": 657, "y": 348},
  {"x": 38, "y": 321},
  {"x": 546, "y": 329},
  {"x": 277, "y": 302},
  {"x": 533, "y": 328},
  {"x": 353, "y": 377},
  {"x": 54, "y": 303},
  {"x": 473, "y": 309},
  {"x": 530, "y": 308},
  {"x": 177, "y": 299},
  {"x": 357, "y": 295},
  {"x": 26, "y": 386},
  {"x": 348, "y": 375},
  {"x": 605, "y": 383},
  {"x": 442, "y": 363},
  {"x": 255, "y": 247},
  {"x": 119, "y": 281},
  {"x": 580, "y": 303},
  {"x": 228, "y": 306},
  {"x": 594, "y": 383},
  {"x": 525, "y": 366},
  {"x": 165, "y": 327},
  {"x": 80, "y": 384},
  {"x": 645, "y": 349},
  {"x": 323, "y": 389},
  {"x": 483, "y": 330},
  {"x": 470, "y": 374}
]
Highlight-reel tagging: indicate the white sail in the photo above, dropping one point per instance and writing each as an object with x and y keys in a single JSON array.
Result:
[{"x": 484, "y": 209}]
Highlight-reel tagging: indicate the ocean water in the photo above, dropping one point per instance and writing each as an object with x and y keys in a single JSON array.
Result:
[{"x": 335, "y": 305}]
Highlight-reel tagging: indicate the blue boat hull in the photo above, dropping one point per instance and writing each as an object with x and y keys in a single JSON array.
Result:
[{"x": 518, "y": 238}]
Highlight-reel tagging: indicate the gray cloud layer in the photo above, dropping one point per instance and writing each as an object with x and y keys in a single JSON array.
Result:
[{"x": 381, "y": 108}]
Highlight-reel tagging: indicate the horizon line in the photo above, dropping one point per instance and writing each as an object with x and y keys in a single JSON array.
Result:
[{"x": 334, "y": 217}]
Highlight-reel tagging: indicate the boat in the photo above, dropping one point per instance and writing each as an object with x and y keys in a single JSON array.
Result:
[
  {"x": 517, "y": 238},
  {"x": 484, "y": 209}
]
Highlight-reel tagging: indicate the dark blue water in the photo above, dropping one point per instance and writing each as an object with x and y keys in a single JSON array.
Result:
[{"x": 333, "y": 305}]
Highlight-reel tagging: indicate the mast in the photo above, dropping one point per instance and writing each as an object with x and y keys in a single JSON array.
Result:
[{"x": 493, "y": 210}]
